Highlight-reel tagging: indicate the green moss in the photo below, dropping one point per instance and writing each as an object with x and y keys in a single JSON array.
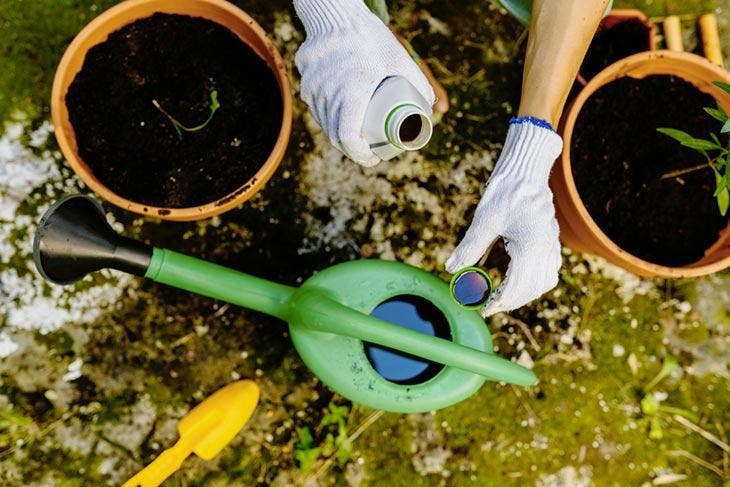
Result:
[{"x": 660, "y": 8}]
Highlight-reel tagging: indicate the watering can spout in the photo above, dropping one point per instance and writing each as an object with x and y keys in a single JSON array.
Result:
[{"x": 74, "y": 239}]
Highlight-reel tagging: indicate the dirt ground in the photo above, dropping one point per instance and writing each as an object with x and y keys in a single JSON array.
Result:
[{"x": 94, "y": 377}]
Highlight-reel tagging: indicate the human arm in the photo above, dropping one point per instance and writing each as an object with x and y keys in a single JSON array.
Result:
[{"x": 517, "y": 203}]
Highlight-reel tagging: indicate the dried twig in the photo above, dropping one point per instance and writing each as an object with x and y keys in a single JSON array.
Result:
[
  {"x": 703, "y": 433},
  {"x": 525, "y": 329},
  {"x": 699, "y": 461},
  {"x": 687, "y": 170}
]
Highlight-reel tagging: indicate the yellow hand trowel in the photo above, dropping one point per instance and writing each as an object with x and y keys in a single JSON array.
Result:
[{"x": 205, "y": 430}]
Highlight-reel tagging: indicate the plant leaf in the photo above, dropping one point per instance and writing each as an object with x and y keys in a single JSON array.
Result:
[
  {"x": 214, "y": 105},
  {"x": 688, "y": 141},
  {"x": 725, "y": 128},
  {"x": 722, "y": 85},
  {"x": 721, "y": 193},
  {"x": 306, "y": 458},
  {"x": 723, "y": 201},
  {"x": 305, "y": 439},
  {"x": 717, "y": 114}
]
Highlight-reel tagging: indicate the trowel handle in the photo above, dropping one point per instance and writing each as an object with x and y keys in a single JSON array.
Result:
[
  {"x": 316, "y": 311},
  {"x": 218, "y": 282},
  {"x": 166, "y": 464}
]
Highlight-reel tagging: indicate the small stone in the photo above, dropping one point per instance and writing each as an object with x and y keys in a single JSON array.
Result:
[{"x": 525, "y": 360}]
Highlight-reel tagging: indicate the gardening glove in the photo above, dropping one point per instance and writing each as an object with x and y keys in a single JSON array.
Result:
[
  {"x": 348, "y": 52},
  {"x": 518, "y": 206}
]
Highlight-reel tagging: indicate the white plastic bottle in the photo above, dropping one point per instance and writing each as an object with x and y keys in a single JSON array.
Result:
[{"x": 398, "y": 119}]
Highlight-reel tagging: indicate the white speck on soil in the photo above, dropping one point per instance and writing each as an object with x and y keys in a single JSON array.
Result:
[
  {"x": 132, "y": 429},
  {"x": 525, "y": 360},
  {"x": 429, "y": 456},
  {"x": 629, "y": 285},
  {"x": 27, "y": 301},
  {"x": 74, "y": 370},
  {"x": 7, "y": 345},
  {"x": 567, "y": 476},
  {"x": 363, "y": 200},
  {"x": 20, "y": 169}
]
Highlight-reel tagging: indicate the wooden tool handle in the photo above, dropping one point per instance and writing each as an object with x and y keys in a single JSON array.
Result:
[
  {"x": 711, "y": 38},
  {"x": 673, "y": 33}
]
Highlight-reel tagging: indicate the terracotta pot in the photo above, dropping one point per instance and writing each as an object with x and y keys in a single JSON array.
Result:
[
  {"x": 577, "y": 229},
  {"x": 617, "y": 16},
  {"x": 97, "y": 31}
]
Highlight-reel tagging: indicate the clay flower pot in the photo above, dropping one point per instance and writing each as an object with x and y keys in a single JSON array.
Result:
[
  {"x": 97, "y": 31},
  {"x": 613, "y": 20},
  {"x": 578, "y": 230}
]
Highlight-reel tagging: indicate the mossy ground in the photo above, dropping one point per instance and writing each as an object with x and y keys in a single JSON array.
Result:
[{"x": 151, "y": 352}]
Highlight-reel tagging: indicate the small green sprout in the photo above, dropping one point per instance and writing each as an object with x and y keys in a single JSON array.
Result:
[
  {"x": 720, "y": 163},
  {"x": 179, "y": 127},
  {"x": 336, "y": 445},
  {"x": 656, "y": 413}
]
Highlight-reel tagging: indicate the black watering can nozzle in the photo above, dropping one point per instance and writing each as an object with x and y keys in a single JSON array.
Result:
[{"x": 74, "y": 239}]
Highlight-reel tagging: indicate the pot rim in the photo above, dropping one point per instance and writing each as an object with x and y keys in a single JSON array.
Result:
[
  {"x": 622, "y": 68},
  {"x": 138, "y": 9}
]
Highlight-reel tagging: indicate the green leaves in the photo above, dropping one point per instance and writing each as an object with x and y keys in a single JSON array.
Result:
[
  {"x": 723, "y": 86},
  {"x": 721, "y": 192},
  {"x": 717, "y": 113},
  {"x": 720, "y": 164},
  {"x": 336, "y": 441},
  {"x": 726, "y": 123},
  {"x": 688, "y": 141}
]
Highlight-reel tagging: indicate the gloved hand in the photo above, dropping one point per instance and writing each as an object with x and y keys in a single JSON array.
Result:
[
  {"x": 518, "y": 205},
  {"x": 347, "y": 54}
]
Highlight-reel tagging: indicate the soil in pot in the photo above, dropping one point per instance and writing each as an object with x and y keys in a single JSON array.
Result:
[
  {"x": 122, "y": 102},
  {"x": 619, "y": 160},
  {"x": 612, "y": 44}
]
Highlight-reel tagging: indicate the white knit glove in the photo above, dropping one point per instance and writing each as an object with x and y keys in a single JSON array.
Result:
[
  {"x": 518, "y": 205},
  {"x": 347, "y": 54}
]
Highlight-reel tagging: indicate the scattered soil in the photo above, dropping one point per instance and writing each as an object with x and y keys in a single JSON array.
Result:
[
  {"x": 613, "y": 43},
  {"x": 618, "y": 160},
  {"x": 177, "y": 60}
]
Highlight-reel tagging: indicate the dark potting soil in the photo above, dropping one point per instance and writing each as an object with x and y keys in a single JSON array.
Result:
[
  {"x": 619, "y": 158},
  {"x": 611, "y": 44},
  {"x": 177, "y": 61}
]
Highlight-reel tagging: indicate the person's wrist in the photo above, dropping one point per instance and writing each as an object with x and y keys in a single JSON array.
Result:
[
  {"x": 530, "y": 149},
  {"x": 326, "y": 16}
]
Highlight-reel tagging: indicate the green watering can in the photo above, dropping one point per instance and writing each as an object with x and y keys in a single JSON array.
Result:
[{"x": 341, "y": 320}]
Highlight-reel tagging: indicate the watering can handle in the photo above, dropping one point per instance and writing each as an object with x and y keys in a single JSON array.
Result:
[{"x": 321, "y": 313}]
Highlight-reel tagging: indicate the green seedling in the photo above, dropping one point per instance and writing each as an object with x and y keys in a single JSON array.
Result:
[
  {"x": 179, "y": 127},
  {"x": 336, "y": 443},
  {"x": 651, "y": 404},
  {"x": 716, "y": 153}
]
